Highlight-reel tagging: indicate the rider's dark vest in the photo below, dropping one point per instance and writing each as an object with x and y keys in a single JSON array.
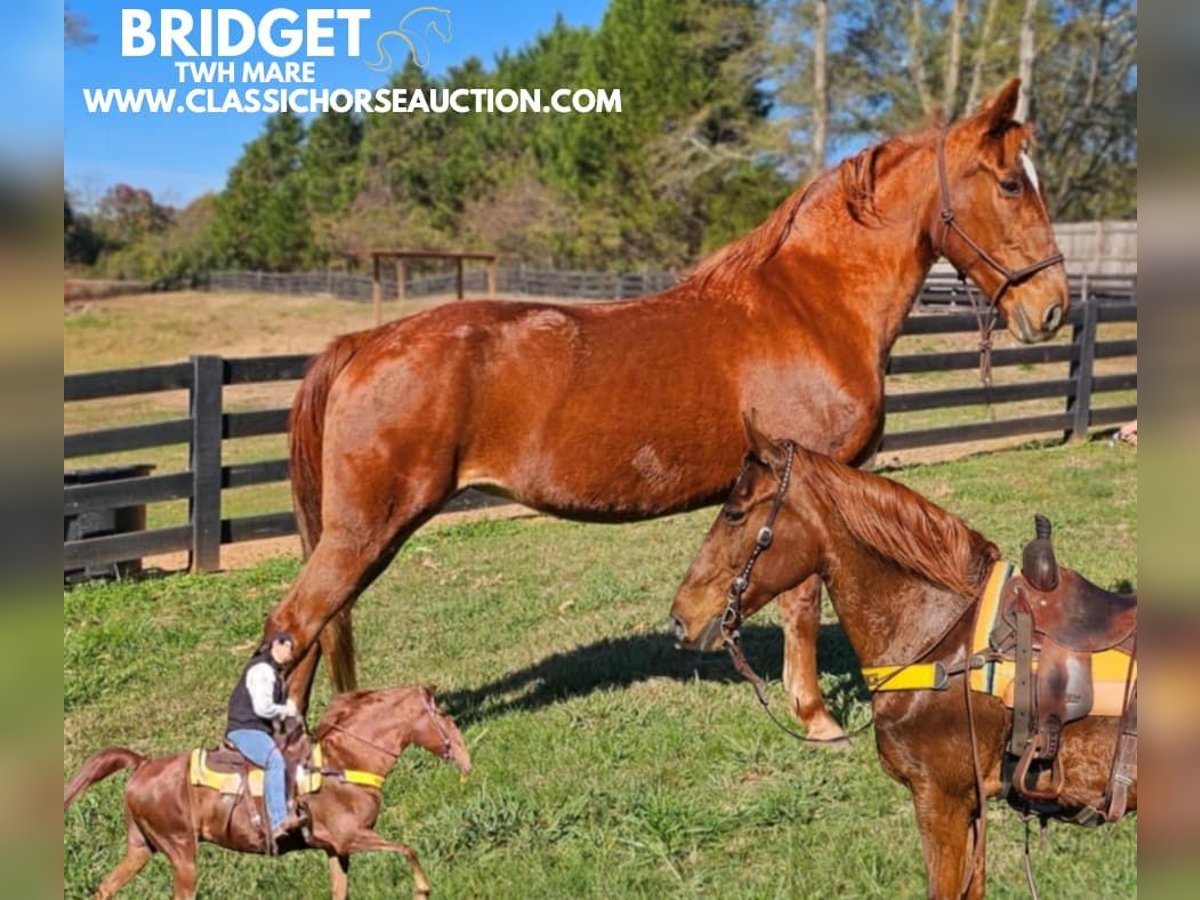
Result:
[{"x": 241, "y": 709}]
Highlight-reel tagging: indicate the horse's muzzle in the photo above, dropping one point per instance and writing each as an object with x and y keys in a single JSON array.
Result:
[{"x": 710, "y": 638}]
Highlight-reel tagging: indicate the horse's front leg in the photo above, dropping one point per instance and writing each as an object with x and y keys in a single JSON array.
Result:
[
  {"x": 366, "y": 839},
  {"x": 945, "y": 821},
  {"x": 801, "y": 612},
  {"x": 339, "y": 868}
]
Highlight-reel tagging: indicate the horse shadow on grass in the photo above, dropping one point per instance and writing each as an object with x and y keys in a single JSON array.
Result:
[{"x": 623, "y": 661}]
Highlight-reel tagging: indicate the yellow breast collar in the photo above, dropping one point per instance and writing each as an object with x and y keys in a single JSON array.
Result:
[{"x": 932, "y": 676}]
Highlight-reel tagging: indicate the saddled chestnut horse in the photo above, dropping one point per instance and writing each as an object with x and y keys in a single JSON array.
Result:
[
  {"x": 624, "y": 411},
  {"x": 906, "y": 579},
  {"x": 362, "y": 734}
]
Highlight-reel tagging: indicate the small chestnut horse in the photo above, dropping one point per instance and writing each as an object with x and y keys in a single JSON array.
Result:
[
  {"x": 622, "y": 411},
  {"x": 363, "y": 731},
  {"x": 904, "y": 576}
]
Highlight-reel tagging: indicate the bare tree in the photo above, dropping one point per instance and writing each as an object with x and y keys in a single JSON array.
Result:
[
  {"x": 916, "y": 59},
  {"x": 75, "y": 30},
  {"x": 820, "y": 100},
  {"x": 981, "y": 54},
  {"x": 1025, "y": 59},
  {"x": 958, "y": 16}
]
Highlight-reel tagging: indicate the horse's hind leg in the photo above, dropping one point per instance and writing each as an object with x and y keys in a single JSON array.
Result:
[
  {"x": 801, "y": 612},
  {"x": 137, "y": 854},
  {"x": 183, "y": 863}
]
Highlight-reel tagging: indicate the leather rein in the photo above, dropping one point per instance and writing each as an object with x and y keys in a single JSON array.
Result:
[{"x": 985, "y": 312}]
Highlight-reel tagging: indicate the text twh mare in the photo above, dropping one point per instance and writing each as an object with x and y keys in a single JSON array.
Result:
[{"x": 624, "y": 411}]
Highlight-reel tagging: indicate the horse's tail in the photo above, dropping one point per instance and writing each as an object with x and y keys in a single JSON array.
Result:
[
  {"x": 98, "y": 767},
  {"x": 306, "y": 431}
]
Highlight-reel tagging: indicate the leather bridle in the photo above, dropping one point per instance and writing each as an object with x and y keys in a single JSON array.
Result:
[
  {"x": 430, "y": 710},
  {"x": 985, "y": 313},
  {"x": 731, "y": 618}
]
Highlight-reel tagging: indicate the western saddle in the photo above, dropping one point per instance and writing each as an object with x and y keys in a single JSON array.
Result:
[
  {"x": 225, "y": 770},
  {"x": 1059, "y": 630},
  {"x": 1054, "y": 648}
]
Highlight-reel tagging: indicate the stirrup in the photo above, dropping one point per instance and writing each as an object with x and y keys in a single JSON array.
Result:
[{"x": 1021, "y": 776}]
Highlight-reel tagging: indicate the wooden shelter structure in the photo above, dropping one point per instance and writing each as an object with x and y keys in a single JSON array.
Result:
[{"x": 400, "y": 257}]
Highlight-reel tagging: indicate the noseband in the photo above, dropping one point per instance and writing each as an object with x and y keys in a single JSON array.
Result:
[{"x": 985, "y": 313}]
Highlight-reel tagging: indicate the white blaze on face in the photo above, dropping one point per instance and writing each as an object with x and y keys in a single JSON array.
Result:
[{"x": 1030, "y": 171}]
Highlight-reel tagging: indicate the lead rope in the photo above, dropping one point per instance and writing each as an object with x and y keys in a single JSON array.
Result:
[{"x": 1029, "y": 879}]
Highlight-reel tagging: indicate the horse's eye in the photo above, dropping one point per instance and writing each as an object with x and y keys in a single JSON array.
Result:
[
  {"x": 1011, "y": 187},
  {"x": 733, "y": 516}
]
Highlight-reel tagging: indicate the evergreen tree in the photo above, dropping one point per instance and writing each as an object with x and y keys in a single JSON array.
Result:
[{"x": 260, "y": 219}]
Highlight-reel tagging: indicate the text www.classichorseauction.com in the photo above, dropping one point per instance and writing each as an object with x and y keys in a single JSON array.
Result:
[{"x": 221, "y": 35}]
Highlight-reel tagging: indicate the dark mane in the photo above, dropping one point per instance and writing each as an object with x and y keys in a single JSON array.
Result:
[
  {"x": 855, "y": 176},
  {"x": 901, "y": 525}
]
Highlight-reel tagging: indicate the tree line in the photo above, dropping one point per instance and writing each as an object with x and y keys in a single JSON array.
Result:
[{"x": 727, "y": 106}]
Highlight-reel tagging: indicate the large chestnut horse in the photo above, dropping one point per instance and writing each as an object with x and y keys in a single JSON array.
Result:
[
  {"x": 623, "y": 411},
  {"x": 905, "y": 578}
]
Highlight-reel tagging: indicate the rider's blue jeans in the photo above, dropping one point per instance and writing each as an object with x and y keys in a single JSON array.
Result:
[{"x": 260, "y": 749}]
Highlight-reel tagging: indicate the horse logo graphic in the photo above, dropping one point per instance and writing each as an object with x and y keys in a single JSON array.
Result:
[{"x": 412, "y": 32}]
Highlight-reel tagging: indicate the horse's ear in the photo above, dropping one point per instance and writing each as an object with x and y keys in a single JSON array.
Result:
[
  {"x": 757, "y": 440},
  {"x": 996, "y": 114},
  {"x": 762, "y": 445}
]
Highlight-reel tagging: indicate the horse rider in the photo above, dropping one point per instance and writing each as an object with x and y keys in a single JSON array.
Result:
[{"x": 258, "y": 702}]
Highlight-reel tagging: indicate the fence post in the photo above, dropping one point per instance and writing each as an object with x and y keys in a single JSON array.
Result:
[
  {"x": 1083, "y": 338},
  {"x": 204, "y": 509},
  {"x": 376, "y": 291}
]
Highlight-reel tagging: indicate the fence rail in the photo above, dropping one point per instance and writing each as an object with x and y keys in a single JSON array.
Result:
[
  {"x": 943, "y": 289},
  {"x": 209, "y": 424}
]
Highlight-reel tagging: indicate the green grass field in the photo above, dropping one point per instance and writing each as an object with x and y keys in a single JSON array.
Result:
[{"x": 606, "y": 763}]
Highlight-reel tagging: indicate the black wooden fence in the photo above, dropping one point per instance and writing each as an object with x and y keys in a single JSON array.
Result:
[
  {"x": 941, "y": 290},
  {"x": 208, "y": 424}
]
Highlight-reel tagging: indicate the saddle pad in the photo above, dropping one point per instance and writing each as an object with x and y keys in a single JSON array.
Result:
[
  {"x": 1110, "y": 668},
  {"x": 201, "y": 775}
]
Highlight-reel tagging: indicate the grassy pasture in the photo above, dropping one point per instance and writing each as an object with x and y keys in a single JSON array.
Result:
[{"x": 607, "y": 763}]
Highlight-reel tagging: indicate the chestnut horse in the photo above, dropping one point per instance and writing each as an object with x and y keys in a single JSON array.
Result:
[
  {"x": 364, "y": 731},
  {"x": 624, "y": 411},
  {"x": 904, "y": 577}
]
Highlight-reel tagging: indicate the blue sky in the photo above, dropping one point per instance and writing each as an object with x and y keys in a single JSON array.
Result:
[{"x": 178, "y": 157}]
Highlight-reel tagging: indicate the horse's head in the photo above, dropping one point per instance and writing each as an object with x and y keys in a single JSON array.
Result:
[
  {"x": 989, "y": 218},
  {"x": 759, "y": 514},
  {"x": 385, "y": 722},
  {"x": 436, "y": 732}
]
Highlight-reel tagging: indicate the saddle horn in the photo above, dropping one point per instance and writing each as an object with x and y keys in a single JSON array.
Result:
[{"x": 1038, "y": 564}]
